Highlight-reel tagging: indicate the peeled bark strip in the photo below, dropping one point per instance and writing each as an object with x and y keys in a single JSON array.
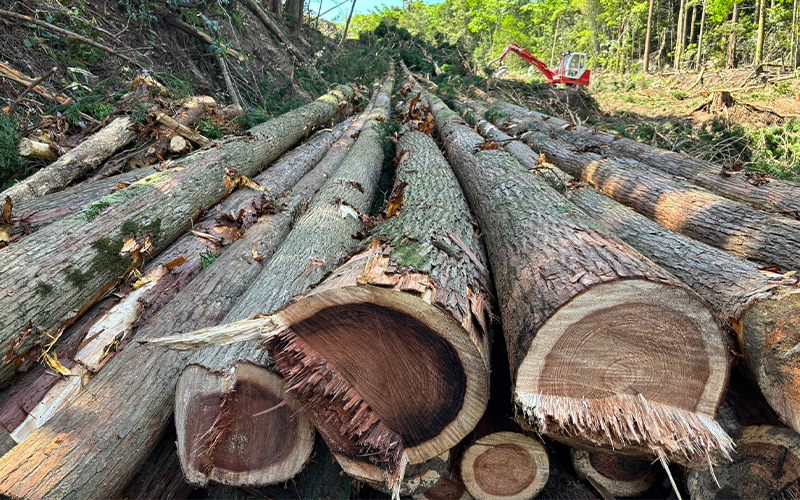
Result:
[
  {"x": 766, "y": 465},
  {"x": 581, "y": 312},
  {"x": 505, "y": 466},
  {"x": 87, "y": 156},
  {"x": 751, "y": 188},
  {"x": 418, "y": 478},
  {"x": 622, "y": 476},
  {"x": 221, "y": 360},
  {"x": 88, "y": 252},
  {"x": 678, "y": 205},
  {"x": 120, "y": 415},
  {"x": 236, "y": 432}
]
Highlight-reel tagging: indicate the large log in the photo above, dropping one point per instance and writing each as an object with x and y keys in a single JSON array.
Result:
[
  {"x": 766, "y": 465},
  {"x": 681, "y": 206},
  {"x": 764, "y": 310},
  {"x": 121, "y": 414},
  {"x": 88, "y": 252},
  {"x": 198, "y": 411},
  {"x": 160, "y": 477},
  {"x": 752, "y": 188},
  {"x": 592, "y": 327},
  {"x": 87, "y": 156}
]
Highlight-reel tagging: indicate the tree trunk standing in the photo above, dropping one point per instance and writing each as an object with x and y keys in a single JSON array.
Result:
[
  {"x": 85, "y": 258},
  {"x": 555, "y": 38},
  {"x": 276, "y": 7},
  {"x": 767, "y": 465},
  {"x": 32, "y": 215},
  {"x": 646, "y": 62},
  {"x": 623, "y": 477},
  {"x": 505, "y": 466},
  {"x": 764, "y": 311},
  {"x": 222, "y": 359},
  {"x": 762, "y": 15},
  {"x": 700, "y": 39},
  {"x": 347, "y": 25},
  {"x": 99, "y": 425},
  {"x": 778, "y": 196},
  {"x": 793, "y": 42},
  {"x": 298, "y": 25},
  {"x": 693, "y": 25},
  {"x": 679, "y": 35},
  {"x": 118, "y": 323},
  {"x": 559, "y": 277},
  {"x": 89, "y": 155},
  {"x": 742, "y": 230},
  {"x": 732, "y": 60}
]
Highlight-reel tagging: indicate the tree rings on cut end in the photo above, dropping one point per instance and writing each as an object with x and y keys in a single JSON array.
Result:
[
  {"x": 766, "y": 465},
  {"x": 383, "y": 371},
  {"x": 505, "y": 465},
  {"x": 238, "y": 429},
  {"x": 622, "y": 476},
  {"x": 629, "y": 350}
]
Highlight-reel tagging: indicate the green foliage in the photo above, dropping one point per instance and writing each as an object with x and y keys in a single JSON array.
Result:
[
  {"x": 12, "y": 166},
  {"x": 207, "y": 257},
  {"x": 209, "y": 129},
  {"x": 91, "y": 104},
  {"x": 178, "y": 84},
  {"x": 679, "y": 95}
]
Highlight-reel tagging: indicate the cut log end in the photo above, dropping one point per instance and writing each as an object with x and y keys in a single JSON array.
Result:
[
  {"x": 766, "y": 465},
  {"x": 622, "y": 476},
  {"x": 505, "y": 465},
  {"x": 238, "y": 429},
  {"x": 656, "y": 390},
  {"x": 381, "y": 374}
]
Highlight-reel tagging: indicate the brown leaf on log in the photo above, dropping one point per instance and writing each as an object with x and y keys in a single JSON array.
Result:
[
  {"x": 395, "y": 203},
  {"x": 757, "y": 178},
  {"x": 6, "y": 216},
  {"x": 490, "y": 145},
  {"x": 411, "y": 106},
  {"x": 257, "y": 256}
]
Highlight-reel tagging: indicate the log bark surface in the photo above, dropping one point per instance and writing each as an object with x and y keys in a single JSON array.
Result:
[
  {"x": 60, "y": 460},
  {"x": 87, "y": 156},
  {"x": 84, "y": 258},
  {"x": 678, "y": 205},
  {"x": 547, "y": 258},
  {"x": 774, "y": 195}
]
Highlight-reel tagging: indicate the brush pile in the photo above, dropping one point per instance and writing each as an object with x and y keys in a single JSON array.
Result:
[{"x": 631, "y": 305}]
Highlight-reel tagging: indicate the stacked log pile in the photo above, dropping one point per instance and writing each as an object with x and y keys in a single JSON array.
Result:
[{"x": 257, "y": 308}]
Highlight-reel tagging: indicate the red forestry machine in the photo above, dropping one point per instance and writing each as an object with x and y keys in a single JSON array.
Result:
[{"x": 572, "y": 69}]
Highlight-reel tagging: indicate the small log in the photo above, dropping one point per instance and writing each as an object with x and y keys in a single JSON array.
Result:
[
  {"x": 769, "y": 194},
  {"x": 505, "y": 465},
  {"x": 238, "y": 429},
  {"x": 31, "y": 86},
  {"x": 191, "y": 30},
  {"x": 78, "y": 162},
  {"x": 85, "y": 258},
  {"x": 37, "y": 149},
  {"x": 183, "y": 130},
  {"x": 67, "y": 33},
  {"x": 132, "y": 406},
  {"x": 766, "y": 465},
  {"x": 563, "y": 280},
  {"x": 18, "y": 77},
  {"x": 623, "y": 477},
  {"x": 178, "y": 145},
  {"x": 450, "y": 487}
]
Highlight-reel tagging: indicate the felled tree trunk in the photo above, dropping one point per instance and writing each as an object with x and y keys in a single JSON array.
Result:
[
  {"x": 580, "y": 312},
  {"x": 88, "y": 252},
  {"x": 87, "y": 156},
  {"x": 754, "y": 189},
  {"x": 766, "y": 465},
  {"x": 732, "y": 226},
  {"x": 274, "y": 27},
  {"x": 623, "y": 477},
  {"x": 763, "y": 310},
  {"x": 505, "y": 465},
  {"x": 100, "y": 426},
  {"x": 194, "y": 426},
  {"x": 160, "y": 477}
]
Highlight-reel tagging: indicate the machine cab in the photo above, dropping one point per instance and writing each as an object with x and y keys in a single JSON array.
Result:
[{"x": 573, "y": 68}]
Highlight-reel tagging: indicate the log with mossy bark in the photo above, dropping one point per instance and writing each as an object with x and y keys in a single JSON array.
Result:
[
  {"x": 752, "y": 188},
  {"x": 100, "y": 426},
  {"x": 592, "y": 327},
  {"x": 766, "y": 465},
  {"x": 85, "y": 255},
  {"x": 763, "y": 309},
  {"x": 737, "y": 228},
  {"x": 81, "y": 160},
  {"x": 137, "y": 302},
  {"x": 199, "y": 412}
]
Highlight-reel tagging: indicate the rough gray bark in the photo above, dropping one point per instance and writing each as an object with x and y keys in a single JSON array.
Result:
[
  {"x": 84, "y": 251},
  {"x": 87, "y": 156},
  {"x": 100, "y": 426},
  {"x": 732, "y": 226},
  {"x": 774, "y": 195},
  {"x": 547, "y": 258}
]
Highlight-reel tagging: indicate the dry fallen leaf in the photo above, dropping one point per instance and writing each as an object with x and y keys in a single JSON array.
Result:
[
  {"x": 6, "y": 216},
  {"x": 122, "y": 185},
  {"x": 175, "y": 263},
  {"x": 257, "y": 256},
  {"x": 489, "y": 145},
  {"x": 141, "y": 282},
  {"x": 395, "y": 203}
]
